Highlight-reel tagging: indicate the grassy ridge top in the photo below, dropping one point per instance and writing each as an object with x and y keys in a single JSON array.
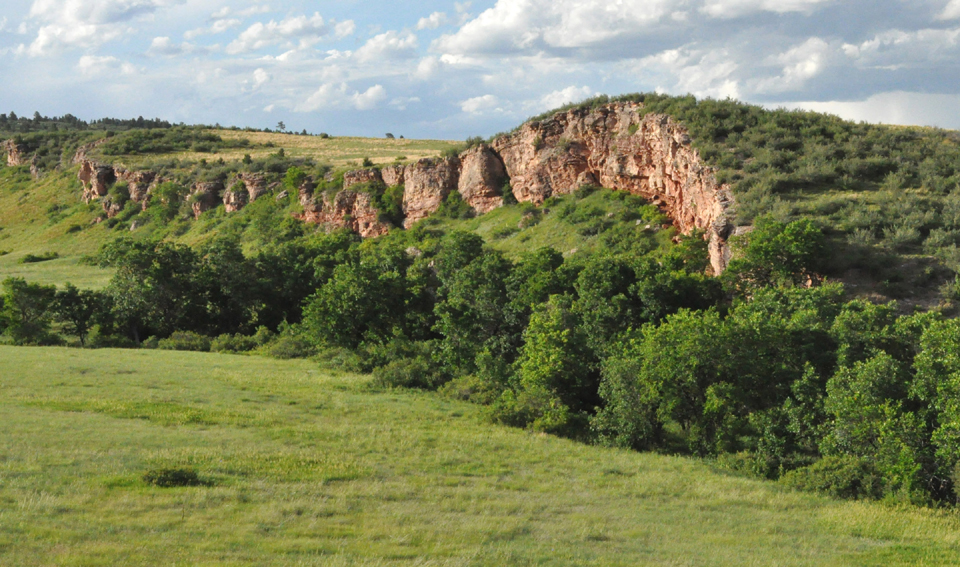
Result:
[
  {"x": 338, "y": 152},
  {"x": 308, "y": 468}
]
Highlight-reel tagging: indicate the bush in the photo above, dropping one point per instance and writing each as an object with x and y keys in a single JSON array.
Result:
[
  {"x": 185, "y": 340},
  {"x": 172, "y": 477},
  {"x": 840, "y": 477},
  {"x": 233, "y": 343},
  {"x": 289, "y": 346},
  {"x": 416, "y": 372},
  {"x": 339, "y": 358},
  {"x": 35, "y": 258}
]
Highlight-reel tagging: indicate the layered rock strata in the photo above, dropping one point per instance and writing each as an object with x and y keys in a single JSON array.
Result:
[
  {"x": 16, "y": 153},
  {"x": 349, "y": 209},
  {"x": 245, "y": 189},
  {"x": 615, "y": 146},
  {"x": 203, "y": 197}
]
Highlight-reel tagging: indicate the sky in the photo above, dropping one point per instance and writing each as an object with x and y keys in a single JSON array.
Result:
[{"x": 442, "y": 69}]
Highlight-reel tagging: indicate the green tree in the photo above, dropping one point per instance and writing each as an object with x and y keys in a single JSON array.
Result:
[
  {"x": 76, "y": 310},
  {"x": 26, "y": 312}
]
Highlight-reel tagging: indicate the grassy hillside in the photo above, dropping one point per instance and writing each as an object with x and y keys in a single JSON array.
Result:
[
  {"x": 47, "y": 215},
  {"x": 306, "y": 468}
]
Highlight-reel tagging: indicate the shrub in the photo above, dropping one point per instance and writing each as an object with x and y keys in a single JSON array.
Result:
[
  {"x": 840, "y": 477},
  {"x": 414, "y": 372},
  {"x": 172, "y": 477},
  {"x": 185, "y": 340},
  {"x": 35, "y": 258},
  {"x": 233, "y": 343},
  {"x": 289, "y": 346}
]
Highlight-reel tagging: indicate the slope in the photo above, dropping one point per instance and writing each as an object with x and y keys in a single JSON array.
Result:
[{"x": 306, "y": 468}]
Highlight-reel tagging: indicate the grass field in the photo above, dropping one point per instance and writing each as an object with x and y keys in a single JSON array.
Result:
[
  {"x": 308, "y": 468},
  {"x": 338, "y": 151}
]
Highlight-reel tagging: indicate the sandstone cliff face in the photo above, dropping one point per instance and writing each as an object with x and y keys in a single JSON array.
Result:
[
  {"x": 140, "y": 183},
  {"x": 243, "y": 190},
  {"x": 96, "y": 179},
  {"x": 614, "y": 147},
  {"x": 203, "y": 197},
  {"x": 347, "y": 209},
  {"x": 426, "y": 184},
  {"x": 16, "y": 154},
  {"x": 482, "y": 176},
  {"x": 352, "y": 178}
]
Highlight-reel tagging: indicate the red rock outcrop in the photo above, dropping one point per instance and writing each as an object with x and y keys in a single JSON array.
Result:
[
  {"x": 357, "y": 177},
  {"x": 392, "y": 175},
  {"x": 482, "y": 177},
  {"x": 245, "y": 189},
  {"x": 426, "y": 184},
  {"x": 140, "y": 184},
  {"x": 613, "y": 146},
  {"x": 16, "y": 153},
  {"x": 347, "y": 209},
  {"x": 203, "y": 197},
  {"x": 96, "y": 179}
]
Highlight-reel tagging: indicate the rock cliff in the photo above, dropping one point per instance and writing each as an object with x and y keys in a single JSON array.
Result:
[
  {"x": 203, "y": 197},
  {"x": 243, "y": 190},
  {"x": 347, "y": 209},
  {"x": 614, "y": 146},
  {"x": 16, "y": 153}
]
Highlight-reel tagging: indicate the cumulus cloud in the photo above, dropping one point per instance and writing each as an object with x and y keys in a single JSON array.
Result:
[
  {"x": 389, "y": 45},
  {"x": 217, "y": 27},
  {"x": 164, "y": 46},
  {"x": 564, "y": 96},
  {"x": 85, "y": 23},
  {"x": 800, "y": 64},
  {"x": 297, "y": 29},
  {"x": 433, "y": 21},
  {"x": 897, "y": 49},
  {"x": 480, "y": 104},
  {"x": 738, "y": 8},
  {"x": 260, "y": 78},
  {"x": 951, "y": 11},
  {"x": 702, "y": 72},
  {"x": 91, "y": 65},
  {"x": 331, "y": 96},
  {"x": 897, "y": 107}
]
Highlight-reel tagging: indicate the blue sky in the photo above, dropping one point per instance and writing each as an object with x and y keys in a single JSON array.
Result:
[{"x": 453, "y": 69}]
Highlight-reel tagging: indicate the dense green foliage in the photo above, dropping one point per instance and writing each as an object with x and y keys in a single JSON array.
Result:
[
  {"x": 169, "y": 140},
  {"x": 68, "y": 122}
]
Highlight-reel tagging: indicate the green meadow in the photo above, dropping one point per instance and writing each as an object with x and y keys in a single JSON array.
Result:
[{"x": 300, "y": 466}]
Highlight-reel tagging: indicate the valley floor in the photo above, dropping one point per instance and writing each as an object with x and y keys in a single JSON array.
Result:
[{"x": 304, "y": 467}]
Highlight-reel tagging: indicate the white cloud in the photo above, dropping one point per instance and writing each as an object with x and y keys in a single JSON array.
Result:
[
  {"x": 564, "y": 96},
  {"x": 898, "y": 107},
  {"x": 260, "y": 77},
  {"x": 165, "y": 47},
  {"x": 951, "y": 11},
  {"x": 297, "y": 29},
  {"x": 433, "y": 21},
  {"x": 737, "y": 8},
  {"x": 86, "y": 23},
  {"x": 344, "y": 29},
  {"x": 402, "y": 103},
  {"x": 895, "y": 49},
  {"x": 218, "y": 26},
  {"x": 701, "y": 72},
  {"x": 800, "y": 64},
  {"x": 532, "y": 25},
  {"x": 389, "y": 45},
  {"x": 478, "y": 105},
  {"x": 331, "y": 96},
  {"x": 90, "y": 65}
]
